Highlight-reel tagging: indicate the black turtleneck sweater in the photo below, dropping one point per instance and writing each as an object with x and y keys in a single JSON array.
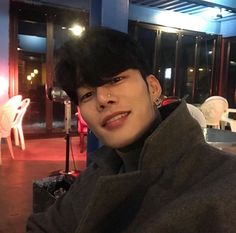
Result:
[{"x": 131, "y": 153}]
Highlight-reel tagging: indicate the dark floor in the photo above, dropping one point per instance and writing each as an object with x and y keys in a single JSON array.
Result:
[{"x": 40, "y": 158}]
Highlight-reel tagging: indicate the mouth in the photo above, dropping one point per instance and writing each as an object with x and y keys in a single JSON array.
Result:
[{"x": 115, "y": 119}]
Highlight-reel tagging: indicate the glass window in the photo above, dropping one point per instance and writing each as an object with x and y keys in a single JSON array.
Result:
[
  {"x": 182, "y": 60},
  {"x": 187, "y": 66},
  {"x": 203, "y": 78},
  {"x": 31, "y": 66},
  {"x": 231, "y": 85},
  {"x": 146, "y": 38},
  {"x": 166, "y": 62}
]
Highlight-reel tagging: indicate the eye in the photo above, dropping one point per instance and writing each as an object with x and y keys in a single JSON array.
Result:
[
  {"x": 85, "y": 97},
  {"x": 116, "y": 79}
]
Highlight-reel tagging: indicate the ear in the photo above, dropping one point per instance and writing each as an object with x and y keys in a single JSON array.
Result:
[{"x": 154, "y": 87}]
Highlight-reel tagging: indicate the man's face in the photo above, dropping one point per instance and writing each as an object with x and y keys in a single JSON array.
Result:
[{"x": 121, "y": 110}]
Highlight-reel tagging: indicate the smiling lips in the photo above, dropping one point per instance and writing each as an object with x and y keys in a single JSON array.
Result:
[{"x": 115, "y": 120}]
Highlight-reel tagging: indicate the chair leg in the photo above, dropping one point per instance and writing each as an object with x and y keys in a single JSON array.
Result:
[
  {"x": 10, "y": 146},
  {"x": 16, "y": 136},
  {"x": 22, "y": 140},
  {"x": 81, "y": 142}
]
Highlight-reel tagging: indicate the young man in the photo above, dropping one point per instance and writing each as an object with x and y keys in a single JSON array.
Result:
[{"x": 155, "y": 172}]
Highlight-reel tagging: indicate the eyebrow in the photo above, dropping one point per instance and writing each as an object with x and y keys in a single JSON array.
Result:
[{"x": 116, "y": 76}]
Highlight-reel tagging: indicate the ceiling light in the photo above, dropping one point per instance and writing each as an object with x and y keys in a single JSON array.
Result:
[
  {"x": 36, "y": 71},
  {"x": 214, "y": 13},
  {"x": 77, "y": 30}
]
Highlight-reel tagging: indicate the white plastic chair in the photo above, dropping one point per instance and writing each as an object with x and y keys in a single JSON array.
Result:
[
  {"x": 212, "y": 109},
  {"x": 6, "y": 121},
  {"x": 197, "y": 114},
  {"x": 7, "y": 115},
  {"x": 17, "y": 124},
  {"x": 225, "y": 119}
]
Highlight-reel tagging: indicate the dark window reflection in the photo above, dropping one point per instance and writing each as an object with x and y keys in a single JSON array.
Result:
[
  {"x": 203, "y": 78},
  {"x": 147, "y": 37},
  {"x": 32, "y": 68},
  {"x": 166, "y": 62},
  {"x": 231, "y": 87},
  {"x": 187, "y": 66}
]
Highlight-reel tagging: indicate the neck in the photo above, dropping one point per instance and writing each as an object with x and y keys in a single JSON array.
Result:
[
  {"x": 138, "y": 144},
  {"x": 130, "y": 154}
]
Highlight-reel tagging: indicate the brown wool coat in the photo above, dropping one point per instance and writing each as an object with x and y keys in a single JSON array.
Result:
[{"x": 183, "y": 185}]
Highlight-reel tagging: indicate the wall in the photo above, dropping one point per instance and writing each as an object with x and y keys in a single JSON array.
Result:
[
  {"x": 228, "y": 28},
  {"x": 4, "y": 50}
]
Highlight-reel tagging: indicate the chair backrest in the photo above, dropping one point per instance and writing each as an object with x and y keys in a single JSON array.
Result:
[
  {"x": 8, "y": 114},
  {"x": 82, "y": 125},
  {"x": 216, "y": 97},
  {"x": 21, "y": 112},
  {"x": 7, "y": 117},
  {"x": 213, "y": 108},
  {"x": 14, "y": 101},
  {"x": 197, "y": 114}
]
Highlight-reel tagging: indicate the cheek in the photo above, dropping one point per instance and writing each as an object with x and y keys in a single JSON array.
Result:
[
  {"x": 87, "y": 115},
  {"x": 143, "y": 99},
  {"x": 138, "y": 92}
]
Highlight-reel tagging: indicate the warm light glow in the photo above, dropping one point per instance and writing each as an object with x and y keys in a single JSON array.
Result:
[
  {"x": 77, "y": 30},
  {"x": 170, "y": 30},
  {"x": 32, "y": 75},
  {"x": 200, "y": 69},
  {"x": 4, "y": 86},
  {"x": 190, "y": 70},
  {"x": 178, "y": 20},
  {"x": 36, "y": 71},
  {"x": 29, "y": 78}
]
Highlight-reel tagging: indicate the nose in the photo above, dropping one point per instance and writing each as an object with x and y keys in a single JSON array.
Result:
[{"x": 105, "y": 97}]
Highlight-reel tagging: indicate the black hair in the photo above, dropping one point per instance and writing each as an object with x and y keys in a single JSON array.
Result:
[{"x": 95, "y": 57}]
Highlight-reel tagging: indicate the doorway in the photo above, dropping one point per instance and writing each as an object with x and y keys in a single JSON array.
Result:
[{"x": 36, "y": 33}]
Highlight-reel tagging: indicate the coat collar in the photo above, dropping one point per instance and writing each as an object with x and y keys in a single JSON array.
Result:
[{"x": 176, "y": 135}]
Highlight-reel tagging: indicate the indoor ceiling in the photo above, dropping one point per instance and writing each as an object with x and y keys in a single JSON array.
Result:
[{"x": 219, "y": 11}]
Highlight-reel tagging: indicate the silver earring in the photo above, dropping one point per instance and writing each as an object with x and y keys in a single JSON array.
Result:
[{"x": 157, "y": 102}]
